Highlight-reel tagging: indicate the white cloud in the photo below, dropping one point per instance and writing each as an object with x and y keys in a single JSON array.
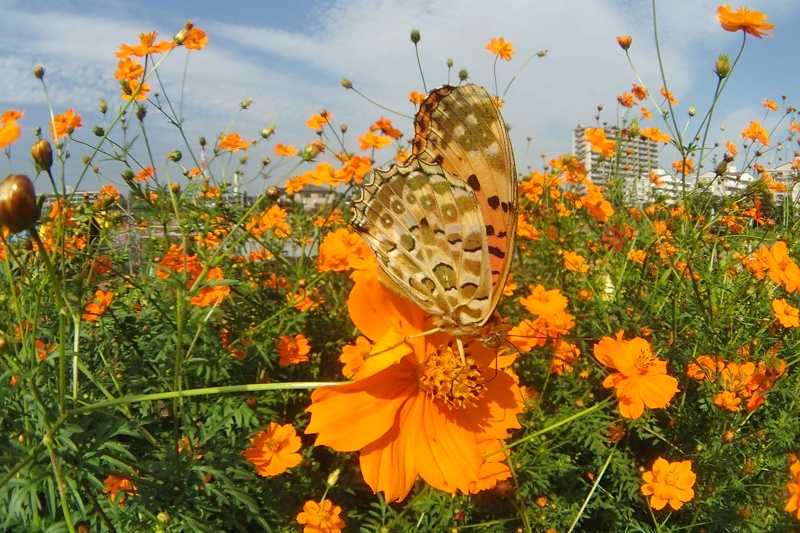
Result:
[{"x": 292, "y": 74}]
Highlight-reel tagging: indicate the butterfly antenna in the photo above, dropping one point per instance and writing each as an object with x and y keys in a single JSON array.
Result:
[{"x": 415, "y": 39}]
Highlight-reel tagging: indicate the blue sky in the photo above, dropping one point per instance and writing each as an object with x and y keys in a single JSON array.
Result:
[{"x": 289, "y": 57}]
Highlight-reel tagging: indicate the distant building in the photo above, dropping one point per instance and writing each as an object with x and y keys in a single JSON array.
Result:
[
  {"x": 312, "y": 196},
  {"x": 635, "y": 156}
]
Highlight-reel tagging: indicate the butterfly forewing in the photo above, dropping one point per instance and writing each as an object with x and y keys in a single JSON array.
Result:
[
  {"x": 428, "y": 236},
  {"x": 461, "y": 129}
]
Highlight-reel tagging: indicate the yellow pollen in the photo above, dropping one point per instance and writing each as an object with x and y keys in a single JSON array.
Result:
[
  {"x": 671, "y": 477},
  {"x": 272, "y": 445},
  {"x": 443, "y": 377}
]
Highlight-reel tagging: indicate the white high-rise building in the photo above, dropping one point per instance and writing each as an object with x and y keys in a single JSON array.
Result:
[{"x": 634, "y": 157}]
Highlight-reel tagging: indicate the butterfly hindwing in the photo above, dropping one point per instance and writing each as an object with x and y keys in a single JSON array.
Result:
[{"x": 427, "y": 233}]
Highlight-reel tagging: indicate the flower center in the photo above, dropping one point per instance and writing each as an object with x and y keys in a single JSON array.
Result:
[
  {"x": 671, "y": 477},
  {"x": 443, "y": 377},
  {"x": 272, "y": 445},
  {"x": 643, "y": 360}
]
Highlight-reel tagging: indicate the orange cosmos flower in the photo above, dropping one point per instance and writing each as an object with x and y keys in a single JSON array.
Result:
[
  {"x": 639, "y": 92},
  {"x": 128, "y": 88},
  {"x": 502, "y": 49},
  {"x": 654, "y": 134},
  {"x": 342, "y": 250},
  {"x": 233, "y": 142},
  {"x": 544, "y": 302},
  {"x": 370, "y": 140},
  {"x": 793, "y": 488},
  {"x": 321, "y": 517},
  {"x": 596, "y": 205},
  {"x": 129, "y": 70},
  {"x": 646, "y": 113},
  {"x": 415, "y": 97},
  {"x": 293, "y": 351},
  {"x": 147, "y": 45},
  {"x": 575, "y": 262},
  {"x": 683, "y": 166},
  {"x": 354, "y": 168},
  {"x": 668, "y": 95},
  {"x": 274, "y": 450},
  {"x": 209, "y": 294},
  {"x": 752, "y": 22},
  {"x": 641, "y": 379},
  {"x": 317, "y": 121},
  {"x": 118, "y": 488},
  {"x": 626, "y": 100},
  {"x": 769, "y": 104},
  {"x": 196, "y": 39},
  {"x": 637, "y": 256},
  {"x": 98, "y": 305},
  {"x": 414, "y": 409},
  {"x": 64, "y": 124},
  {"x": 781, "y": 267},
  {"x": 385, "y": 127},
  {"x": 787, "y": 315},
  {"x": 145, "y": 174},
  {"x": 354, "y": 356},
  {"x": 755, "y": 132},
  {"x": 669, "y": 483},
  {"x": 285, "y": 151},
  {"x": 597, "y": 138},
  {"x": 9, "y": 129}
]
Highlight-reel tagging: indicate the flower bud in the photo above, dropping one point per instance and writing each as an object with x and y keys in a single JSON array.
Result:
[
  {"x": 449, "y": 63},
  {"x": 268, "y": 131},
  {"x": 266, "y": 161},
  {"x": 38, "y": 72},
  {"x": 692, "y": 111},
  {"x": 723, "y": 66},
  {"x": 98, "y": 131},
  {"x": 347, "y": 84},
  {"x": 246, "y": 103},
  {"x": 202, "y": 141},
  {"x": 141, "y": 112},
  {"x": 128, "y": 175},
  {"x": 333, "y": 478},
  {"x": 103, "y": 107},
  {"x": 18, "y": 208},
  {"x": 463, "y": 74},
  {"x": 624, "y": 41},
  {"x": 273, "y": 193},
  {"x": 415, "y": 36},
  {"x": 42, "y": 153},
  {"x": 175, "y": 155}
]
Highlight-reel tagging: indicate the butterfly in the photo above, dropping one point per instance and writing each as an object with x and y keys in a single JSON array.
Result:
[{"x": 442, "y": 224}]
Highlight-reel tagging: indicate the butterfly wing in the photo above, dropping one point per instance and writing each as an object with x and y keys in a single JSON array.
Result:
[
  {"x": 426, "y": 230},
  {"x": 461, "y": 129}
]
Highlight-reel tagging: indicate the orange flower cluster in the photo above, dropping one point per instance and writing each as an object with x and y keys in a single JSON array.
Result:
[
  {"x": 176, "y": 261},
  {"x": 641, "y": 379},
  {"x": 669, "y": 483},
  {"x": 273, "y": 219},
  {"x": 414, "y": 409},
  {"x": 9, "y": 129},
  {"x": 738, "y": 381},
  {"x": 274, "y": 450},
  {"x": 551, "y": 322}
]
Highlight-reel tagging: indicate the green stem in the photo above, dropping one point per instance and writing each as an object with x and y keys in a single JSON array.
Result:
[{"x": 255, "y": 387}]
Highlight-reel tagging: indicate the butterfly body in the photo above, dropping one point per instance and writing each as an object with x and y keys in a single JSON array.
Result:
[{"x": 442, "y": 224}]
